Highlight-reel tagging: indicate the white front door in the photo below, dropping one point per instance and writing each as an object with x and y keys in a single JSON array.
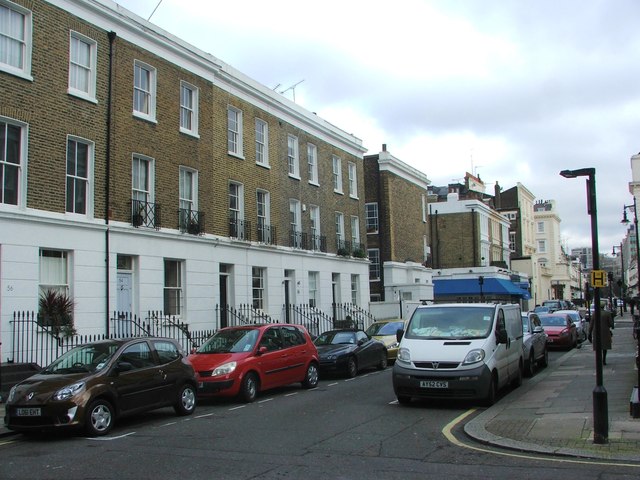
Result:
[{"x": 124, "y": 303}]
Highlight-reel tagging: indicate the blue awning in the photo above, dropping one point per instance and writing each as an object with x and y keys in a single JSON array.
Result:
[{"x": 470, "y": 286}]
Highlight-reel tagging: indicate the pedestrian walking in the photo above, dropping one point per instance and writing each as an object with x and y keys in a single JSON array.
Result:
[{"x": 606, "y": 325}]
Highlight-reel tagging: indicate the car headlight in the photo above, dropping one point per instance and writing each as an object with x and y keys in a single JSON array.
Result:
[
  {"x": 404, "y": 355},
  {"x": 69, "y": 391},
  {"x": 224, "y": 369},
  {"x": 474, "y": 356},
  {"x": 12, "y": 394},
  {"x": 394, "y": 345}
]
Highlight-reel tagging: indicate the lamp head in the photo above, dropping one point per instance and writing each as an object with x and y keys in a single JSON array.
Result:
[
  {"x": 581, "y": 172},
  {"x": 624, "y": 216}
]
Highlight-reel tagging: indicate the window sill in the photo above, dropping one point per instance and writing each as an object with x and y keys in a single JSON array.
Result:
[
  {"x": 146, "y": 118},
  {"x": 236, "y": 155},
  {"x": 190, "y": 133},
  {"x": 83, "y": 96}
]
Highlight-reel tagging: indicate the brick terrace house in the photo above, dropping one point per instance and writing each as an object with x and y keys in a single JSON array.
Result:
[
  {"x": 397, "y": 230},
  {"x": 139, "y": 173}
]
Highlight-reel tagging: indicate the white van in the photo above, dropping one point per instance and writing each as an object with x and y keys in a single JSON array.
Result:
[{"x": 461, "y": 350}]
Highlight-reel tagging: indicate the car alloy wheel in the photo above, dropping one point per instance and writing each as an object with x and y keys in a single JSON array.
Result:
[{"x": 99, "y": 419}]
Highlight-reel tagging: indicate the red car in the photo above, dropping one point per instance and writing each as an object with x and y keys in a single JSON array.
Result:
[
  {"x": 560, "y": 330},
  {"x": 242, "y": 361}
]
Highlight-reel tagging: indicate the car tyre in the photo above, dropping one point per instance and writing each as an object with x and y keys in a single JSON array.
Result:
[
  {"x": 99, "y": 418},
  {"x": 492, "y": 393},
  {"x": 311, "y": 377},
  {"x": 404, "y": 400},
  {"x": 529, "y": 366},
  {"x": 186, "y": 403},
  {"x": 249, "y": 387},
  {"x": 545, "y": 358},
  {"x": 517, "y": 380},
  {"x": 384, "y": 361},
  {"x": 352, "y": 367}
]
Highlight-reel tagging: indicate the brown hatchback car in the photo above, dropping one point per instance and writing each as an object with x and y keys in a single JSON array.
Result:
[{"x": 93, "y": 384}]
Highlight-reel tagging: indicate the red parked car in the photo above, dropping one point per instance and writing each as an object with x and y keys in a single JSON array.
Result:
[
  {"x": 560, "y": 330},
  {"x": 242, "y": 361}
]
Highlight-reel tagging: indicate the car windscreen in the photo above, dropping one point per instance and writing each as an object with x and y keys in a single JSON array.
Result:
[
  {"x": 336, "y": 338},
  {"x": 384, "y": 328},
  {"x": 553, "y": 321},
  {"x": 451, "y": 323},
  {"x": 231, "y": 341},
  {"x": 85, "y": 358}
]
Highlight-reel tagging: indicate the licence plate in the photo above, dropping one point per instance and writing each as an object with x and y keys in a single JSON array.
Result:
[
  {"x": 433, "y": 384},
  {"x": 28, "y": 412}
]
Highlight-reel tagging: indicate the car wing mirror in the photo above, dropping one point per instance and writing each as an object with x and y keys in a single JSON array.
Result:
[
  {"x": 501, "y": 336},
  {"x": 262, "y": 350},
  {"x": 399, "y": 334},
  {"x": 123, "y": 366},
  {"x": 538, "y": 329}
]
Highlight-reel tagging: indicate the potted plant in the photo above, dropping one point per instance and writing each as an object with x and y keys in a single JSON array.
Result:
[{"x": 55, "y": 311}]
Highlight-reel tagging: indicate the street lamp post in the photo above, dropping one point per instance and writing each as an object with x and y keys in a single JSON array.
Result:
[
  {"x": 625, "y": 220},
  {"x": 622, "y": 284},
  {"x": 635, "y": 395},
  {"x": 600, "y": 407}
]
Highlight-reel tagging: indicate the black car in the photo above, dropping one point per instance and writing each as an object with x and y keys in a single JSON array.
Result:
[
  {"x": 348, "y": 351},
  {"x": 93, "y": 384}
]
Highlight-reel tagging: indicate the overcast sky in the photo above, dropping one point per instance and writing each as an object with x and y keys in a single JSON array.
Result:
[{"x": 510, "y": 90}]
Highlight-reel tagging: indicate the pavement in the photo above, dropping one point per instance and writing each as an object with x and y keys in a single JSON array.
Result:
[{"x": 552, "y": 412}]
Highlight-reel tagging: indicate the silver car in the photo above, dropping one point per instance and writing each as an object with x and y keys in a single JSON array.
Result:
[
  {"x": 581, "y": 324},
  {"x": 534, "y": 343}
]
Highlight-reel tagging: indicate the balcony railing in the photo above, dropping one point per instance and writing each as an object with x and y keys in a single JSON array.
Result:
[
  {"x": 267, "y": 234},
  {"x": 145, "y": 214},
  {"x": 240, "y": 229},
  {"x": 318, "y": 243},
  {"x": 298, "y": 239},
  {"x": 191, "y": 221},
  {"x": 343, "y": 247}
]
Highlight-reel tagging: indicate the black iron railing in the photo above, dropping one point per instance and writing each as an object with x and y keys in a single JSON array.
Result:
[
  {"x": 240, "y": 229},
  {"x": 191, "y": 221},
  {"x": 145, "y": 214}
]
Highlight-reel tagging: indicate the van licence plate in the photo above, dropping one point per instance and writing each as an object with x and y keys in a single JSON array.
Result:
[
  {"x": 433, "y": 384},
  {"x": 28, "y": 412}
]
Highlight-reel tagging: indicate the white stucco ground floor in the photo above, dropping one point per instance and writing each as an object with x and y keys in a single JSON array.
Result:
[{"x": 119, "y": 268}]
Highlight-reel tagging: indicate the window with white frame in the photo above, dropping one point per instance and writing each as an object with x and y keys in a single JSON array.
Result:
[
  {"x": 313, "y": 289},
  {"x": 423, "y": 199},
  {"x": 540, "y": 227},
  {"x": 15, "y": 39},
  {"x": 142, "y": 176},
  {"x": 314, "y": 219},
  {"x": 142, "y": 193},
  {"x": 512, "y": 241},
  {"x": 542, "y": 246},
  {"x": 79, "y": 178},
  {"x": 374, "y": 263},
  {"x": 144, "y": 91},
  {"x": 82, "y": 66},
  {"x": 173, "y": 291},
  {"x": 295, "y": 226},
  {"x": 340, "y": 229},
  {"x": 262, "y": 143},
  {"x": 337, "y": 174},
  {"x": 234, "y": 131},
  {"x": 293, "y": 158},
  {"x": 263, "y": 211},
  {"x": 355, "y": 232},
  {"x": 371, "y": 212},
  {"x": 312, "y": 162},
  {"x": 258, "y": 287},
  {"x": 54, "y": 271},
  {"x": 236, "y": 209},
  {"x": 353, "y": 180},
  {"x": 355, "y": 289},
  {"x": 12, "y": 161},
  {"x": 189, "y": 104},
  {"x": 188, "y": 197}
]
